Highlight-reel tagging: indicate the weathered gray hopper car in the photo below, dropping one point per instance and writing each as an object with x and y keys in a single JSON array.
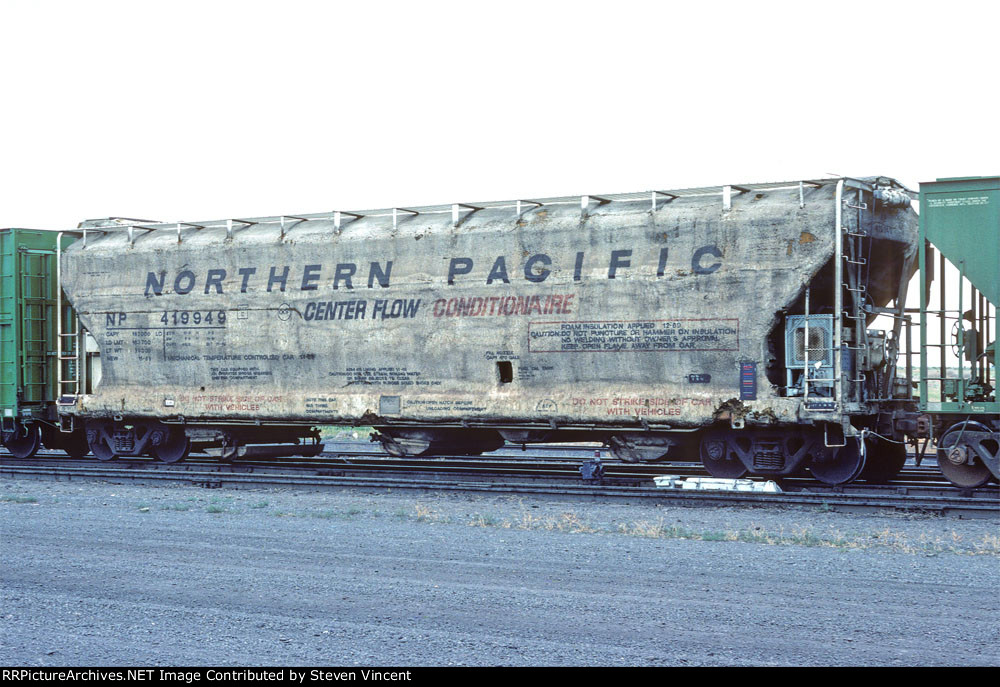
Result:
[{"x": 648, "y": 321}]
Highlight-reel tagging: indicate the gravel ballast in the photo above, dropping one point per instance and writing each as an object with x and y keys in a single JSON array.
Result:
[{"x": 100, "y": 574}]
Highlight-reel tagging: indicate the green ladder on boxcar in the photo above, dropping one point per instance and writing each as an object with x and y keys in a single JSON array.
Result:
[{"x": 39, "y": 344}]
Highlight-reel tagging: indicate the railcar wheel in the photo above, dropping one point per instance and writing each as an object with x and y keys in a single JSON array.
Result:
[
  {"x": 884, "y": 461},
  {"x": 25, "y": 442},
  {"x": 718, "y": 457},
  {"x": 841, "y": 465},
  {"x": 957, "y": 460},
  {"x": 100, "y": 441},
  {"x": 174, "y": 446}
]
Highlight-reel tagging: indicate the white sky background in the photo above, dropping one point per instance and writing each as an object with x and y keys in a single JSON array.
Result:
[{"x": 203, "y": 110}]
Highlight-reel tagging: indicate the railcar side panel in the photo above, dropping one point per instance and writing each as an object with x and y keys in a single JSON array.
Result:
[{"x": 615, "y": 315}]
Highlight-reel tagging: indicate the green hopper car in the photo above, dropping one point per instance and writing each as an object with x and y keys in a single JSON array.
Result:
[{"x": 960, "y": 217}]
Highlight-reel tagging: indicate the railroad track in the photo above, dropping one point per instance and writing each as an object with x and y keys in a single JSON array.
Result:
[
  {"x": 561, "y": 462},
  {"x": 918, "y": 488}
]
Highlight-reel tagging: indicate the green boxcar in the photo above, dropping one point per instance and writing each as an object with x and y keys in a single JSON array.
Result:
[{"x": 30, "y": 363}]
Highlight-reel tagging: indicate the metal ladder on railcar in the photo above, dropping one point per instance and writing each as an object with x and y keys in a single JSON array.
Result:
[
  {"x": 856, "y": 255},
  {"x": 68, "y": 355},
  {"x": 71, "y": 356},
  {"x": 39, "y": 331},
  {"x": 851, "y": 274},
  {"x": 36, "y": 308}
]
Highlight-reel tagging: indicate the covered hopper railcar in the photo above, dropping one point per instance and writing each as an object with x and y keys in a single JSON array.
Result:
[{"x": 728, "y": 322}]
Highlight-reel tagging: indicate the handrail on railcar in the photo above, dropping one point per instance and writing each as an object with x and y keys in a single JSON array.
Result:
[{"x": 461, "y": 211}]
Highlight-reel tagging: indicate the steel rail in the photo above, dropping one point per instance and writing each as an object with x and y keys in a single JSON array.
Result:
[
  {"x": 500, "y": 465},
  {"x": 531, "y": 465},
  {"x": 961, "y": 506}
]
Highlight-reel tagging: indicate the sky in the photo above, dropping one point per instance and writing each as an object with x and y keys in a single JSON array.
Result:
[{"x": 203, "y": 110}]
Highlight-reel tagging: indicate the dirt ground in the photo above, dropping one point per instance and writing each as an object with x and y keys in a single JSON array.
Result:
[{"x": 99, "y": 574}]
